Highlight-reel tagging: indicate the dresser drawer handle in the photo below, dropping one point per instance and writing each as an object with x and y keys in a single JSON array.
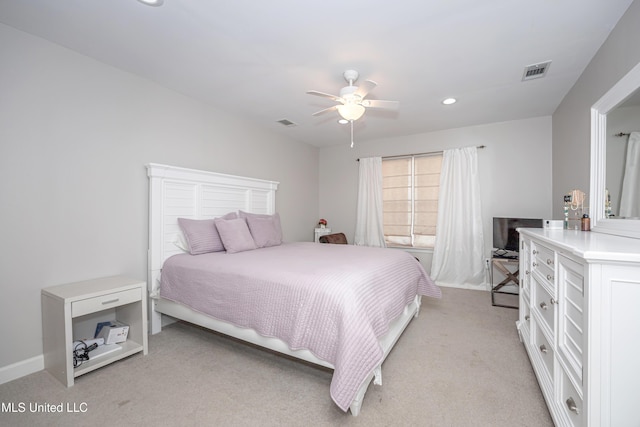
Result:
[
  {"x": 571, "y": 404},
  {"x": 527, "y": 317},
  {"x": 535, "y": 252},
  {"x": 535, "y": 264},
  {"x": 111, "y": 301},
  {"x": 553, "y": 301},
  {"x": 543, "y": 349},
  {"x": 549, "y": 261},
  {"x": 527, "y": 272},
  {"x": 543, "y": 305},
  {"x": 549, "y": 277}
]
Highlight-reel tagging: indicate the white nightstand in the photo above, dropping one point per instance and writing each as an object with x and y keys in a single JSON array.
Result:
[
  {"x": 72, "y": 311},
  {"x": 321, "y": 232}
]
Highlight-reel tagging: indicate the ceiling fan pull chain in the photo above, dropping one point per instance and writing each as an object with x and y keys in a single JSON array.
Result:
[{"x": 351, "y": 133}]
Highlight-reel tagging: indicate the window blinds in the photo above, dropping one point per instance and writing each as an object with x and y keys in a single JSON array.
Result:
[{"x": 410, "y": 193}]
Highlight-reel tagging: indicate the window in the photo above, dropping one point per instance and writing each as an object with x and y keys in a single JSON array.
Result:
[{"x": 410, "y": 187}]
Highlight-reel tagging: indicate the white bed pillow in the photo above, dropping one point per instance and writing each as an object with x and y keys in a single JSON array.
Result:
[
  {"x": 235, "y": 235},
  {"x": 266, "y": 230},
  {"x": 201, "y": 234}
]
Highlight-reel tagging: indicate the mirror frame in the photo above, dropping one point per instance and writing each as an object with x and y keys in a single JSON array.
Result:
[{"x": 614, "y": 97}]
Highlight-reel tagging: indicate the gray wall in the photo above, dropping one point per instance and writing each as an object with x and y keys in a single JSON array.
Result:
[
  {"x": 75, "y": 135},
  {"x": 514, "y": 169},
  {"x": 572, "y": 120}
]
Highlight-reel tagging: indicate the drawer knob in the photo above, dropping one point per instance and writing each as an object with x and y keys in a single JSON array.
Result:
[
  {"x": 549, "y": 277},
  {"x": 543, "y": 305},
  {"x": 549, "y": 261},
  {"x": 535, "y": 264},
  {"x": 543, "y": 349},
  {"x": 527, "y": 317},
  {"x": 527, "y": 272},
  {"x": 553, "y": 301},
  {"x": 535, "y": 252},
  {"x": 571, "y": 404}
]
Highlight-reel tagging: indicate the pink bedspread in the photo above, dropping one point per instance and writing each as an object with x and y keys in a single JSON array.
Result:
[{"x": 334, "y": 300}]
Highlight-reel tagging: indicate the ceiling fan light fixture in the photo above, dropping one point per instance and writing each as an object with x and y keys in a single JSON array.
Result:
[
  {"x": 152, "y": 2},
  {"x": 351, "y": 111}
]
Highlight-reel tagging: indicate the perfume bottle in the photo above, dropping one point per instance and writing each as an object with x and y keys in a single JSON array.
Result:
[{"x": 585, "y": 223}]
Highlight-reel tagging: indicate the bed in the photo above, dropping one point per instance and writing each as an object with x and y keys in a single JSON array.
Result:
[{"x": 339, "y": 306}]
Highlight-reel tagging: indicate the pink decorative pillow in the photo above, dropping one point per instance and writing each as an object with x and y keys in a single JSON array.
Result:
[
  {"x": 201, "y": 234},
  {"x": 265, "y": 229},
  {"x": 235, "y": 235}
]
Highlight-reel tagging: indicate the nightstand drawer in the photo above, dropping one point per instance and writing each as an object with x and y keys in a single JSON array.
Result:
[{"x": 103, "y": 302}]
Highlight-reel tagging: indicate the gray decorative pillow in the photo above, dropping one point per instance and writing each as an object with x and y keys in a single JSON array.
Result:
[
  {"x": 201, "y": 234},
  {"x": 235, "y": 235},
  {"x": 266, "y": 230}
]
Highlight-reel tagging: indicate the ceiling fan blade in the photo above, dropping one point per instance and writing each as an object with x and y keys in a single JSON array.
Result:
[
  {"x": 326, "y": 95},
  {"x": 365, "y": 88},
  {"x": 378, "y": 103},
  {"x": 326, "y": 110}
]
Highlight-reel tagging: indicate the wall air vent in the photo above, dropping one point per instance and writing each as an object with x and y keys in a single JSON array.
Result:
[
  {"x": 287, "y": 123},
  {"x": 536, "y": 71}
]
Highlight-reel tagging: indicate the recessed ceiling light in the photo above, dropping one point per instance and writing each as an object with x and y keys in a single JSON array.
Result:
[
  {"x": 152, "y": 2},
  {"x": 449, "y": 101}
]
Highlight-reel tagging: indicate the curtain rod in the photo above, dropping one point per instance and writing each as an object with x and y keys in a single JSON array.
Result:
[{"x": 421, "y": 154}]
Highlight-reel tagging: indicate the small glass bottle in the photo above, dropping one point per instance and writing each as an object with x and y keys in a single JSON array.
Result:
[{"x": 585, "y": 223}]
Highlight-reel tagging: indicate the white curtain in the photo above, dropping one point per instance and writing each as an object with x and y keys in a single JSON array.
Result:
[
  {"x": 459, "y": 247},
  {"x": 630, "y": 196},
  {"x": 369, "y": 225}
]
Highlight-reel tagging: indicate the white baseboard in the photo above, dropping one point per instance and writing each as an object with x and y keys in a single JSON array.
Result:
[{"x": 21, "y": 369}]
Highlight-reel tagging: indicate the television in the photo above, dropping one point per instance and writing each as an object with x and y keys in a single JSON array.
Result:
[{"x": 505, "y": 236}]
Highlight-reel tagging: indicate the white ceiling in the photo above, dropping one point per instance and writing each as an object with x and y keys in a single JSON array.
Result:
[{"x": 258, "y": 58}]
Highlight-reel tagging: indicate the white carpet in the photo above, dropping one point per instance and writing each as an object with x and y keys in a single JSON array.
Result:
[{"x": 460, "y": 363}]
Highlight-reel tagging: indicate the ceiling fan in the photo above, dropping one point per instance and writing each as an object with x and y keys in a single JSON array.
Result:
[{"x": 352, "y": 102}]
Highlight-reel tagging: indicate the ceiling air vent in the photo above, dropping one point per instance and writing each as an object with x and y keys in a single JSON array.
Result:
[
  {"x": 287, "y": 123},
  {"x": 536, "y": 71}
]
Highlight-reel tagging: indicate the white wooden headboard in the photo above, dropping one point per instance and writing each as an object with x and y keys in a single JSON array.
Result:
[{"x": 176, "y": 192}]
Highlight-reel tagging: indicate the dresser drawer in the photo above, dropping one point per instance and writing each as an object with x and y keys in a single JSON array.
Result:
[
  {"x": 570, "y": 401},
  {"x": 543, "y": 263},
  {"x": 544, "y": 351},
  {"x": 544, "y": 306},
  {"x": 525, "y": 320},
  {"x": 103, "y": 302}
]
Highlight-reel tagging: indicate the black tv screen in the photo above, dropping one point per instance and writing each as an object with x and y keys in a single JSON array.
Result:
[{"x": 505, "y": 236}]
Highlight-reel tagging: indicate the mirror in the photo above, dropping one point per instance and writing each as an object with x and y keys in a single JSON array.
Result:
[
  {"x": 621, "y": 122},
  {"x": 618, "y": 96}
]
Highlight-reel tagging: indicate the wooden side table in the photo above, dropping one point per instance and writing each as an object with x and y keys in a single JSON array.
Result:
[{"x": 72, "y": 311}]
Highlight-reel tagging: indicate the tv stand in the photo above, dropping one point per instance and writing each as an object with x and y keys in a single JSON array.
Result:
[{"x": 501, "y": 262}]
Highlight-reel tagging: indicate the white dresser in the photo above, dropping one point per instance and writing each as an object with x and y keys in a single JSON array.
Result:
[{"x": 580, "y": 323}]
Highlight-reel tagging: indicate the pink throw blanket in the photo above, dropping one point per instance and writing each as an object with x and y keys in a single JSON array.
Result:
[{"x": 334, "y": 300}]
